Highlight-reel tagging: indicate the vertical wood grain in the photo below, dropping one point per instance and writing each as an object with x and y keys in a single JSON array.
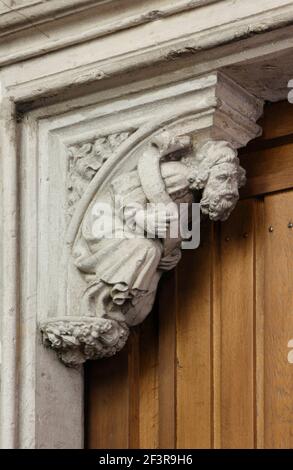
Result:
[
  {"x": 237, "y": 324},
  {"x": 133, "y": 387},
  {"x": 216, "y": 337},
  {"x": 108, "y": 403},
  {"x": 167, "y": 360},
  {"x": 259, "y": 307},
  {"x": 148, "y": 383},
  {"x": 193, "y": 346},
  {"x": 278, "y": 321},
  {"x": 277, "y": 120}
]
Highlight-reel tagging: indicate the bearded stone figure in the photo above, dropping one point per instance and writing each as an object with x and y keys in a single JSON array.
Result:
[{"x": 122, "y": 271}]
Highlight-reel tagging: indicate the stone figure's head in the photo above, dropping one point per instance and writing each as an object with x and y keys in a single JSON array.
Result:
[{"x": 217, "y": 171}]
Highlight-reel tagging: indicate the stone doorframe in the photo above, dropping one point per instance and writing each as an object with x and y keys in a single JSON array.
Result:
[{"x": 198, "y": 68}]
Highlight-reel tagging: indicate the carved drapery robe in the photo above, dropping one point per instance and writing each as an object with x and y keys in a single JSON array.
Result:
[{"x": 123, "y": 273}]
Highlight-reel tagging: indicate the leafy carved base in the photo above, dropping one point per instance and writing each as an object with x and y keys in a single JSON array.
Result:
[{"x": 78, "y": 339}]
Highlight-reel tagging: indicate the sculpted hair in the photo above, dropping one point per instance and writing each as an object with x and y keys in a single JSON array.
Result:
[{"x": 217, "y": 160}]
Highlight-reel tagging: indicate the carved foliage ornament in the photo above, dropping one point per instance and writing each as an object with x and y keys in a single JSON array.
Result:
[
  {"x": 84, "y": 162},
  {"x": 121, "y": 275}
]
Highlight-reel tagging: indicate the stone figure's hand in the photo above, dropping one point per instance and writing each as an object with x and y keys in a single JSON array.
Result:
[
  {"x": 167, "y": 142},
  {"x": 155, "y": 221},
  {"x": 132, "y": 219},
  {"x": 169, "y": 262}
]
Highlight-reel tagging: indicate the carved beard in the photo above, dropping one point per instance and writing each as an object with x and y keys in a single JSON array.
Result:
[{"x": 218, "y": 206}]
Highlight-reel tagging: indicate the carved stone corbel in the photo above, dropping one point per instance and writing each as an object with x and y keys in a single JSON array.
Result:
[{"x": 187, "y": 152}]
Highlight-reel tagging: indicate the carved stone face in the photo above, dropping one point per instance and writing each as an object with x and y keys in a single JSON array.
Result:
[{"x": 221, "y": 192}]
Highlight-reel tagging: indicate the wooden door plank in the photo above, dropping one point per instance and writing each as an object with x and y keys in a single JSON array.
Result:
[
  {"x": 278, "y": 321},
  {"x": 237, "y": 323},
  {"x": 216, "y": 339},
  {"x": 268, "y": 170},
  {"x": 108, "y": 403},
  {"x": 194, "y": 369},
  {"x": 133, "y": 387},
  {"x": 259, "y": 288},
  {"x": 277, "y": 120},
  {"x": 148, "y": 383},
  {"x": 167, "y": 360}
]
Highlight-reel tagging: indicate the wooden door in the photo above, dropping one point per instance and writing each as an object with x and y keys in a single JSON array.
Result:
[{"x": 209, "y": 368}]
